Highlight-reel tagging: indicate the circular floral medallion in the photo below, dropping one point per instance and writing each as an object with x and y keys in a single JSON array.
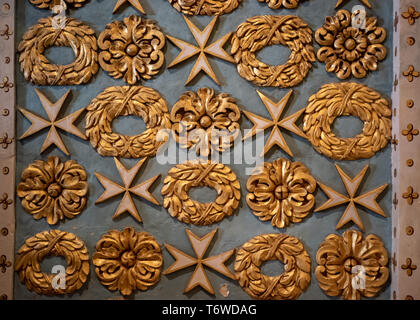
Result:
[
  {"x": 115, "y": 102},
  {"x": 348, "y": 50},
  {"x": 283, "y": 193},
  {"x": 54, "y": 190},
  {"x": 288, "y": 250},
  {"x": 53, "y": 243},
  {"x": 128, "y": 261},
  {"x": 205, "y": 121},
  {"x": 132, "y": 49},
  {"x": 49, "y": 4},
  {"x": 258, "y": 32},
  {"x": 351, "y": 267},
  {"x": 205, "y": 7},
  {"x": 193, "y": 174},
  {"x": 39, "y": 70},
  {"x": 348, "y": 99}
]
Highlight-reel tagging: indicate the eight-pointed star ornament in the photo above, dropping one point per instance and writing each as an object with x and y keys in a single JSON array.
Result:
[
  {"x": 367, "y": 200},
  {"x": 365, "y": 2},
  {"x": 134, "y": 3},
  {"x": 52, "y": 110},
  {"x": 113, "y": 189},
  {"x": 275, "y": 110},
  {"x": 199, "y": 276},
  {"x": 188, "y": 50}
]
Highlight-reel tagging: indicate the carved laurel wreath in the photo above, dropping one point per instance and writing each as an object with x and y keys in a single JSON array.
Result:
[
  {"x": 139, "y": 101},
  {"x": 287, "y": 249},
  {"x": 261, "y": 31},
  {"x": 205, "y": 7},
  {"x": 345, "y": 99},
  {"x": 53, "y": 243},
  {"x": 49, "y": 4},
  {"x": 282, "y": 193},
  {"x": 54, "y": 190},
  {"x": 205, "y": 121},
  {"x": 345, "y": 261},
  {"x": 77, "y": 35},
  {"x": 278, "y": 4},
  {"x": 128, "y": 261},
  {"x": 132, "y": 49},
  {"x": 192, "y": 174}
]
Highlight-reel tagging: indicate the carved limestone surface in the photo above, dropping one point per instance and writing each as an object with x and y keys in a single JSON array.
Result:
[
  {"x": 347, "y": 50},
  {"x": 193, "y": 174},
  {"x": 348, "y": 99},
  {"x": 114, "y": 102},
  {"x": 39, "y": 70},
  {"x": 205, "y": 121},
  {"x": 205, "y": 7},
  {"x": 49, "y": 4},
  {"x": 288, "y": 250},
  {"x": 53, "y": 243},
  {"x": 53, "y": 189},
  {"x": 283, "y": 193},
  {"x": 352, "y": 267},
  {"x": 261, "y": 31},
  {"x": 132, "y": 49},
  {"x": 128, "y": 261}
]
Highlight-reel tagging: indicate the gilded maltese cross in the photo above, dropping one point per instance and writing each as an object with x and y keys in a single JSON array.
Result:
[
  {"x": 365, "y": 2},
  {"x": 52, "y": 110},
  {"x": 199, "y": 276},
  {"x": 113, "y": 189},
  {"x": 367, "y": 200},
  {"x": 189, "y": 50},
  {"x": 134, "y": 3},
  {"x": 275, "y": 110}
]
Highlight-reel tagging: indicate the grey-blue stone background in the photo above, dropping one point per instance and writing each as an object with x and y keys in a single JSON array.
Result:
[{"x": 96, "y": 220}]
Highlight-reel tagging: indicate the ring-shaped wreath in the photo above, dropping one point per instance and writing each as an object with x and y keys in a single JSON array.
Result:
[
  {"x": 260, "y": 31},
  {"x": 39, "y": 70},
  {"x": 138, "y": 101}
]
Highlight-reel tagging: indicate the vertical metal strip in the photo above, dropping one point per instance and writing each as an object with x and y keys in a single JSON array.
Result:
[
  {"x": 406, "y": 151},
  {"x": 7, "y": 147}
]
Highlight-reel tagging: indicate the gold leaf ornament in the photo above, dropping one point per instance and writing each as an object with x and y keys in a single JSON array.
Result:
[
  {"x": 260, "y": 31},
  {"x": 37, "y": 69},
  {"x": 348, "y": 99},
  {"x": 114, "y": 102},
  {"x": 54, "y": 190},
  {"x": 128, "y": 261},
  {"x": 53, "y": 243},
  {"x": 205, "y": 121},
  {"x": 49, "y": 4},
  {"x": 283, "y": 193},
  {"x": 205, "y": 7},
  {"x": 347, "y": 50},
  {"x": 193, "y": 174},
  {"x": 280, "y": 4},
  {"x": 288, "y": 250},
  {"x": 352, "y": 267},
  {"x": 132, "y": 49}
]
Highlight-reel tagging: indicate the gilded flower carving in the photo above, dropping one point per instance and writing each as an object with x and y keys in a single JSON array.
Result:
[
  {"x": 5, "y": 201},
  {"x": 4, "y": 264},
  {"x": 350, "y": 51},
  {"x": 128, "y": 261},
  {"x": 54, "y": 190},
  {"x": 411, "y": 15},
  {"x": 344, "y": 262},
  {"x": 282, "y": 193},
  {"x": 205, "y": 121},
  {"x": 132, "y": 49},
  {"x": 411, "y": 73}
]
